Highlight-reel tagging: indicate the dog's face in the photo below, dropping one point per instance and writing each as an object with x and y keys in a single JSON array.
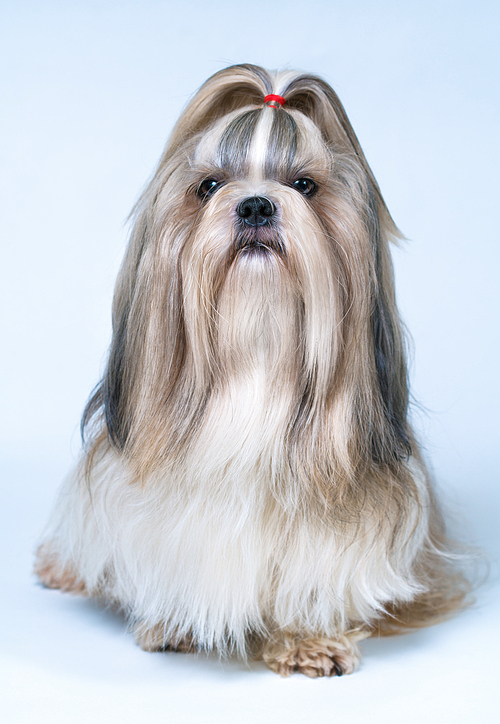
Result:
[
  {"x": 259, "y": 267},
  {"x": 251, "y": 170},
  {"x": 260, "y": 247}
]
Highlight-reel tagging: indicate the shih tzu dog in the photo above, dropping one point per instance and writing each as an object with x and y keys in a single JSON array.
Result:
[{"x": 250, "y": 483}]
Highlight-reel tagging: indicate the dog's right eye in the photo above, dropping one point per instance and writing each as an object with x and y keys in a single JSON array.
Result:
[
  {"x": 208, "y": 187},
  {"x": 306, "y": 186}
]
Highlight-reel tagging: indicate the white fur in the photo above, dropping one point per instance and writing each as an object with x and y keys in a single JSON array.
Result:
[{"x": 213, "y": 556}]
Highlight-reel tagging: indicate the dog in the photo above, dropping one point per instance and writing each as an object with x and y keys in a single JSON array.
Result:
[{"x": 250, "y": 483}]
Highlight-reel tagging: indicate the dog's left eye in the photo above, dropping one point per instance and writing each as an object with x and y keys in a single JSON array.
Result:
[
  {"x": 306, "y": 186},
  {"x": 208, "y": 187}
]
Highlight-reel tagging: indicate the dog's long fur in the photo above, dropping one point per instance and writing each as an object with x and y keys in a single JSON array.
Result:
[{"x": 250, "y": 481}]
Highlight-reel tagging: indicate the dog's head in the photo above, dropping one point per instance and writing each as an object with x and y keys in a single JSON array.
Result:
[{"x": 261, "y": 241}]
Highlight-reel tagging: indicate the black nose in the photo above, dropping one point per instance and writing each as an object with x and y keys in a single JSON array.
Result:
[{"x": 256, "y": 210}]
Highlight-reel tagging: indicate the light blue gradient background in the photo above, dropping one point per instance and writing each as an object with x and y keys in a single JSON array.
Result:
[{"x": 89, "y": 93}]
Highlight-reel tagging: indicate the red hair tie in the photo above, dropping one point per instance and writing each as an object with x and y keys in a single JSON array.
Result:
[{"x": 273, "y": 100}]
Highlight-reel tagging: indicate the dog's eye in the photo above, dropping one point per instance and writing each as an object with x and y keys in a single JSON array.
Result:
[
  {"x": 306, "y": 186},
  {"x": 208, "y": 187}
]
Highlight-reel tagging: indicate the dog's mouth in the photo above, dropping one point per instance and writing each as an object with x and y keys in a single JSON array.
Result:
[{"x": 259, "y": 241}]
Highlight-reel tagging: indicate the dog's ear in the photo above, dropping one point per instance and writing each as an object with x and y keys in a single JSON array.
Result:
[
  {"x": 148, "y": 343},
  {"x": 391, "y": 441},
  {"x": 389, "y": 435},
  {"x": 110, "y": 399}
]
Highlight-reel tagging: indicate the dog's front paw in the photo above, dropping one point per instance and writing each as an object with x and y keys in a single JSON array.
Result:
[
  {"x": 154, "y": 638},
  {"x": 53, "y": 574},
  {"x": 313, "y": 657}
]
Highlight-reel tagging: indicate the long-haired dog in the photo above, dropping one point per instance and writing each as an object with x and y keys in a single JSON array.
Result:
[{"x": 250, "y": 482}]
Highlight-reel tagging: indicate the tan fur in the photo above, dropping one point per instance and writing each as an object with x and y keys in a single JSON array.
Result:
[
  {"x": 313, "y": 657},
  {"x": 153, "y": 639},
  {"x": 52, "y": 574},
  {"x": 249, "y": 473}
]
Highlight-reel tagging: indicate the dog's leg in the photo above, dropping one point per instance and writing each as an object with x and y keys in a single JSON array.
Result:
[
  {"x": 53, "y": 574},
  {"x": 153, "y": 639},
  {"x": 313, "y": 656}
]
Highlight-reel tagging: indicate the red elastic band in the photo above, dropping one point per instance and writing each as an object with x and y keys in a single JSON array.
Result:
[{"x": 278, "y": 99}]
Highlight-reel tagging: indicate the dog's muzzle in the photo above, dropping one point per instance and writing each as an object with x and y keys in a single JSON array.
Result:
[{"x": 257, "y": 228}]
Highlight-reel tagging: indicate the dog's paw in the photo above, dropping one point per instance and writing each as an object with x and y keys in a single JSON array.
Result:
[
  {"x": 52, "y": 574},
  {"x": 154, "y": 639},
  {"x": 314, "y": 657}
]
